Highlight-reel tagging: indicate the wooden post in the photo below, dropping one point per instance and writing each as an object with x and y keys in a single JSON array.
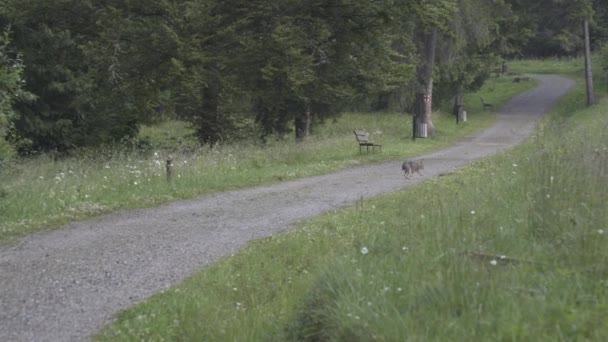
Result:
[{"x": 169, "y": 168}]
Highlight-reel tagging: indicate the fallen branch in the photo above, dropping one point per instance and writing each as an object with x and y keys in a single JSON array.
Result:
[{"x": 499, "y": 259}]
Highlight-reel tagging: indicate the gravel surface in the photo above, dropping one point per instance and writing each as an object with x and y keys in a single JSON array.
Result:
[{"x": 66, "y": 284}]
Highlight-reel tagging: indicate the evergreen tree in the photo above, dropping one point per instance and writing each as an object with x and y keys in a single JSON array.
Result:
[{"x": 11, "y": 91}]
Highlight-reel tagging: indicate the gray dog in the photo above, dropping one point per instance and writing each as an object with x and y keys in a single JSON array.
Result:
[{"x": 411, "y": 166}]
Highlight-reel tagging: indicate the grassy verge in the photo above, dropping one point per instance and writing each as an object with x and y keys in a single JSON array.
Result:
[
  {"x": 43, "y": 193},
  {"x": 511, "y": 248}
]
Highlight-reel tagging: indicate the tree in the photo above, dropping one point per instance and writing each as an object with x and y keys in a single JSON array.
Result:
[
  {"x": 316, "y": 56},
  {"x": 433, "y": 17},
  {"x": 68, "y": 110},
  {"x": 11, "y": 91},
  {"x": 471, "y": 48}
]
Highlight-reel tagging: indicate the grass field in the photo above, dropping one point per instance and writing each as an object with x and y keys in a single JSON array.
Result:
[
  {"x": 43, "y": 193},
  {"x": 510, "y": 248}
]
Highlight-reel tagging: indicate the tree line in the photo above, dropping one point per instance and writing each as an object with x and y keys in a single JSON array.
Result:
[{"x": 78, "y": 73}]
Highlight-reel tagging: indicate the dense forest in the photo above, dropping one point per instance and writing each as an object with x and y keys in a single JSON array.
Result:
[{"x": 80, "y": 73}]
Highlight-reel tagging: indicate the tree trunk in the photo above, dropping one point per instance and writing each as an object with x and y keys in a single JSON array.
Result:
[
  {"x": 588, "y": 71},
  {"x": 302, "y": 125},
  {"x": 420, "y": 128},
  {"x": 458, "y": 105},
  {"x": 428, "y": 41}
]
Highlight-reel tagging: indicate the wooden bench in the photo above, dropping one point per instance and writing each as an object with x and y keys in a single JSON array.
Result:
[
  {"x": 485, "y": 105},
  {"x": 363, "y": 140}
]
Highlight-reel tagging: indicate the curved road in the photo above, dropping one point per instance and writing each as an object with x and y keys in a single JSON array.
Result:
[{"x": 65, "y": 285}]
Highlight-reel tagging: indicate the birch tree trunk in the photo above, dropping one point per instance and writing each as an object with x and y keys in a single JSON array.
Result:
[{"x": 425, "y": 79}]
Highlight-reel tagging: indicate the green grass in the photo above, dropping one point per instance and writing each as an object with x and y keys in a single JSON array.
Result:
[
  {"x": 400, "y": 267},
  {"x": 43, "y": 193}
]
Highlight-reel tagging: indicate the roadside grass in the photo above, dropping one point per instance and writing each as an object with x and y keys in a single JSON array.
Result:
[
  {"x": 573, "y": 67},
  {"x": 43, "y": 193},
  {"x": 510, "y": 248}
]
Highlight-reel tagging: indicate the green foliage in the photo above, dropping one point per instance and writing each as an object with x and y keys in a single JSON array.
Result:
[
  {"x": 604, "y": 59},
  {"x": 11, "y": 91},
  {"x": 319, "y": 56},
  {"x": 67, "y": 111},
  {"x": 556, "y": 25},
  {"x": 236, "y": 68}
]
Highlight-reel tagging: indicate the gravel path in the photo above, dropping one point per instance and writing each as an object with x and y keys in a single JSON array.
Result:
[{"x": 65, "y": 285}]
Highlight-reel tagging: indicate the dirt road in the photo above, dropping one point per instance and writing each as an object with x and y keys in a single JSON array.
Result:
[{"x": 66, "y": 284}]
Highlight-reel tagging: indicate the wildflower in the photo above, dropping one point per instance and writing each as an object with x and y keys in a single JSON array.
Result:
[
  {"x": 399, "y": 289},
  {"x": 107, "y": 166},
  {"x": 41, "y": 177},
  {"x": 600, "y": 231},
  {"x": 405, "y": 248},
  {"x": 548, "y": 196},
  {"x": 134, "y": 183},
  {"x": 234, "y": 288},
  {"x": 364, "y": 250},
  {"x": 514, "y": 165},
  {"x": 472, "y": 212},
  {"x": 493, "y": 262}
]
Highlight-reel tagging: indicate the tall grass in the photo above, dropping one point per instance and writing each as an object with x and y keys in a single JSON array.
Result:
[
  {"x": 511, "y": 248},
  {"x": 42, "y": 192}
]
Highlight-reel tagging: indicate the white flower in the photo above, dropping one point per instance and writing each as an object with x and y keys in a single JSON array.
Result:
[
  {"x": 600, "y": 231},
  {"x": 134, "y": 183},
  {"x": 472, "y": 212},
  {"x": 514, "y": 165},
  {"x": 364, "y": 250},
  {"x": 493, "y": 262}
]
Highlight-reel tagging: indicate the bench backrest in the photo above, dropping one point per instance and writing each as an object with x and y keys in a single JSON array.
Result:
[{"x": 362, "y": 136}]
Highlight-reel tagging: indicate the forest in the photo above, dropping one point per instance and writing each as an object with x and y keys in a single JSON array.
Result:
[{"x": 76, "y": 74}]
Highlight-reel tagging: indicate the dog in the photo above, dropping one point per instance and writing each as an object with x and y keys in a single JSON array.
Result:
[{"x": 411, "y": 166}]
